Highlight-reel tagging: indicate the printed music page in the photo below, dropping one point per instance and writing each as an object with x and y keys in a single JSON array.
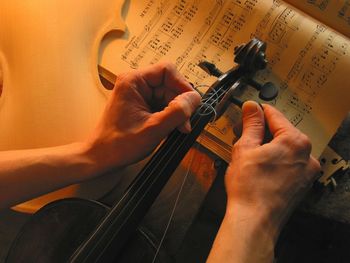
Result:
[
  {"x": 307, "y": 61},
  {"x": 333, "y": 13}
]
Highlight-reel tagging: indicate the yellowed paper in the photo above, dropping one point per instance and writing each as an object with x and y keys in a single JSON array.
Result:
[
  {"x": 333, "y": 13},
  {"x": 309, "y": 62}
]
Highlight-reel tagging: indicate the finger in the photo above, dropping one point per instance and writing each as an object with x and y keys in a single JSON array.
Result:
[
  {"x": 165, "y": 74},
  {"x": 253, "y": 124},
  {"x": 276, "y": 121},
  {"x": 237, "y": 128},
  {"x": 177, "y": 113},
  {"x": 185, "y": 127}
]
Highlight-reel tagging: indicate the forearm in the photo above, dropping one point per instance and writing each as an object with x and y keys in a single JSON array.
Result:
[
  {"x": 245, "y": 236},
  {"x": 25, "y": 174}
]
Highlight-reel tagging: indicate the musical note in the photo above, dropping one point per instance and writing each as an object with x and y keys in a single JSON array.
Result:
[
  {"x": 296, "y": 119},
  {"x": 277, "y": 33},
  {"x": 146, "y": 9}
]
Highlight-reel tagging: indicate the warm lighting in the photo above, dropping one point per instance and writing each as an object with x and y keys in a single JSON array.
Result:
[{"x": 48, "y": 58}]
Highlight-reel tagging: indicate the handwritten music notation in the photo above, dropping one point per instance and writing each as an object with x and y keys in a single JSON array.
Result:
[
  {"x": 159, "y": 34},
  {"x": 310, "y": 69},
  {"x": 211, "y": 39},
  {"x": 215, "y": 36},
  {"x": 220, "y": 40},
  {"x": 277, "y": 28},
  {"x": 303, "y": 55},
  {"x": 314, "y": 73}
]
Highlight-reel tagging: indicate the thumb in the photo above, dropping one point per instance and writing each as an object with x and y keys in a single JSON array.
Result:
[
  {"x": 177, "y": 113},
  {"x": 253, "y": 124}
]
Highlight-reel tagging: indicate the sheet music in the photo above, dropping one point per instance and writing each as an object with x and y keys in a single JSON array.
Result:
[
  {"x": 308, "y": 61},
  {"x": 334, "y": 13}
]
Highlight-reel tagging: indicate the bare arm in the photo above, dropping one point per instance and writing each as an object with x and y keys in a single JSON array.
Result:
[
  {"x": 25, "y": 174},
  {"x": 128, "y": 131},
  {"x": 264, "y": 183}
]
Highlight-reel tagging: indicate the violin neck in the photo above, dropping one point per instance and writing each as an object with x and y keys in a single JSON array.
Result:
[{"x": 120, "y": 223}]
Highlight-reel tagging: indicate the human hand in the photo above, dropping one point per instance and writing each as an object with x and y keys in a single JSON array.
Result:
[
  {"x": 269, "y": 178},
  {"x": 144, "y": 107},
  {"x": 264, "y": 182}
]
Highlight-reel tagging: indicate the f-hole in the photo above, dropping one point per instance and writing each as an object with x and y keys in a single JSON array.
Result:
[{"x": 107, "y": 78}]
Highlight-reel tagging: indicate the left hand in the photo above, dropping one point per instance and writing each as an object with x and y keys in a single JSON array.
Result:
[{"x": 144, "y": 107}]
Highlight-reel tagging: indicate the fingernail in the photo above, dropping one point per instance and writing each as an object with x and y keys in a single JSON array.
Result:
[{"x": 250, "y": 107}]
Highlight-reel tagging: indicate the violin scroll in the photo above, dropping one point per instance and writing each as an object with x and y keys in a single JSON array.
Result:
[{"x": 250, "y": 58}]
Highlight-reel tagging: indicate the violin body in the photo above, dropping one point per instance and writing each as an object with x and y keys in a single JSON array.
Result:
[
  {"x": 49, "y": 64},
  {"x": 54, "y": 233}
]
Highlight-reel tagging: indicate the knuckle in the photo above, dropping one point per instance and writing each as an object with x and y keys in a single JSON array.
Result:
[
  {"x": 125, "y": 80},
  {"x": 303, "y": 144},
  {"x": 236, "y": 146},
  {"x": 176, "y": 105},
  {"x": 179, "y": 107},
  {"x": 151, "y": 125},
  {"x": 171, "y": 72},
  {"x": 315, "y": 165},
  {"x": 304, "y": 141},
  {"x": 236, "y": 153},
  {"x": 167, "y": 65},
  {"x": 253, "y": 125},
  {"x": 240, "y": 145},
  {"x": 136, "y": 76},
  {"x": 190, "y": 103},
  {"x": 298, "y": 142}
]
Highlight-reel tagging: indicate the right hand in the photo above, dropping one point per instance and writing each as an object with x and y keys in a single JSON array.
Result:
[{"x": 270, "y": 178}]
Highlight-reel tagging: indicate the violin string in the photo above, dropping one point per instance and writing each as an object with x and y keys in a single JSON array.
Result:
[
  {"x": 212, "y": 109},
  {"x": 201, "y": 86},
  {"x": 179, "y": 144},
  {"x": 175, "y": 205},
  {"x": 208, "y": 107},
  {"x": 204, "y": 102}
]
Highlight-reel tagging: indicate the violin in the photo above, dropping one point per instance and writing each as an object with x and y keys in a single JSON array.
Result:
[{"x": 77, "y": 230}]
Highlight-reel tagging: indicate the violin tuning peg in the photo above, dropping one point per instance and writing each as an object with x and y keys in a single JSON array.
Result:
[
  {"x": 268, "y": 91},
  {"x": 236, "y": 101},
  {"x": 210, "y": 68}
]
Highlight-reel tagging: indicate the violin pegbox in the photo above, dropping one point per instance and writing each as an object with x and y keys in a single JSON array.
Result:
[{"x": 250, "y": 58}]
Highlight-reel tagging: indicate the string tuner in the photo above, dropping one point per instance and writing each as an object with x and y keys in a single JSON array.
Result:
[
  {"x": 268, "y": 91},
  {"x": 210, "y": 68},
  {"x": 236, "y": 101}
]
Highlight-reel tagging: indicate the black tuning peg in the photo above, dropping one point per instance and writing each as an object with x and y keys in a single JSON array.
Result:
[
  {"x": 267, "y": 91},
  {"x": 210, "y": 68}
]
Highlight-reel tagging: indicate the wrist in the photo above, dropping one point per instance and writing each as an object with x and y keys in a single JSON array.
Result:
[
  {"x": 256, "y": 233},
  {"x": 102, "y": 157},
  {"x": 258, "y": 218},
  {"x": 78, "y": 158},
  {"x": 245, "y": 236}
]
